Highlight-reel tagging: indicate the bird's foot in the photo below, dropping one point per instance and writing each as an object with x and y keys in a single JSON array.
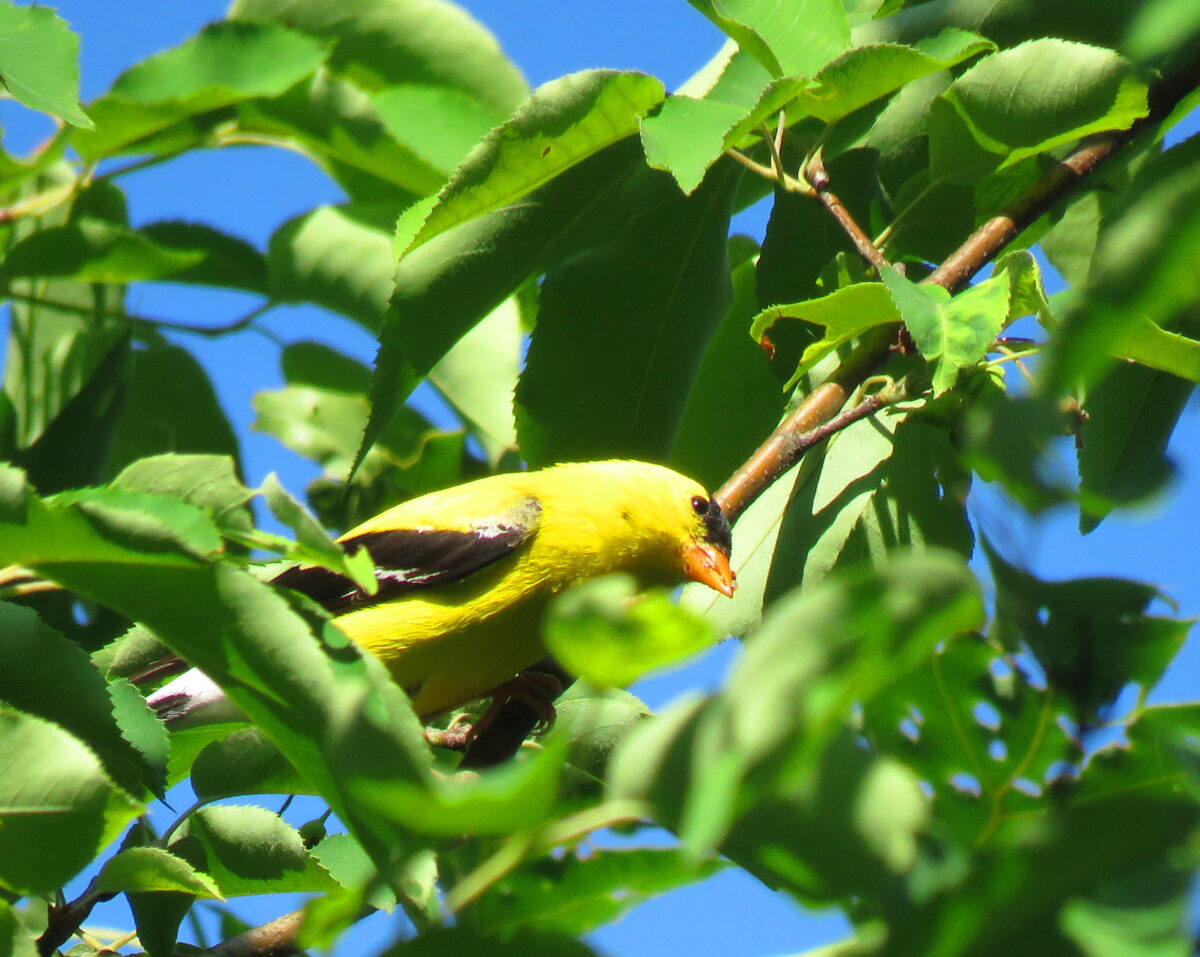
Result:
[
  {"x": 457, "y": 735},
  {"x": 537, "y": 690},
  {"x": 534, "y": 689}
]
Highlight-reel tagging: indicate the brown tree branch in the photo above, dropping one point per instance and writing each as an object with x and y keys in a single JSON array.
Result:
[{"x": 276, "y": 938}]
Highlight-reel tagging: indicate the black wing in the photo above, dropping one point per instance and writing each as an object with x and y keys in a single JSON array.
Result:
[{"x": 408, "y": 559}]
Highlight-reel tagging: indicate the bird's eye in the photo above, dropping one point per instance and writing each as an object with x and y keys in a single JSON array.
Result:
[{"x": 699, "y": 505}]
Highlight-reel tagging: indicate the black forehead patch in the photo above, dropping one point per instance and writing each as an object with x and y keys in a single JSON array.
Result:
[{"x": 716, "y": 528}]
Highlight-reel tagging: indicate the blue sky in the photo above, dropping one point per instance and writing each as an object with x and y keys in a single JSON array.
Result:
[{"x": 248, "y": 192}]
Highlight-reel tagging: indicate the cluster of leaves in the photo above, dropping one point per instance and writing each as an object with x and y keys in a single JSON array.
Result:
[{"x": 883, "y": 745}]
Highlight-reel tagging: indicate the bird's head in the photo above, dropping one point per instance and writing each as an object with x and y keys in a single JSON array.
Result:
[
  {"x": 683, "y": 530},
  {"x": 706, "y": 555},
  {"x": 641, "y": 518}
]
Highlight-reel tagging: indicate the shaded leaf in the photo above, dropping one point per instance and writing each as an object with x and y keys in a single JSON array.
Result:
[
  {"x": 621, "y": 331},
  {"x": 252, "y": 851},
  {"x": 57, "y": 806},
  {"x": 1132, "y": 413},
  {"x": 170, "y": 405},
  {"x": 1091, "y": 636},
  {"x": 245, "y": 762}
]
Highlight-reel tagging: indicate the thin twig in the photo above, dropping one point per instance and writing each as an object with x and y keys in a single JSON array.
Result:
[
  {"x": 64, "y": 920},
  {"x": 814, "y": 171},
  {"x": 209, "y": 332},
  {"x": 755, "y": 167},
  {"x": 776, "y": 156},
  {"x": 795, "y": 436}
]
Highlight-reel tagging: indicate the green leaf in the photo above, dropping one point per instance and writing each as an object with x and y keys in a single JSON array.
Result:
[
  {"x": 151, "y": 869},
  {"x": 92, "y": 250},
  {"x": 158, "y": 914},
  {"x": 1070, "y": 243},
  {"x": 1031, "y": 867},
  {"x": 1141, "y": 278},
  {"x": 1131, "y": 414},
  {"x": 245, "y": 762},
  {"x": 53, "y": 354},
  {"x": 384, "y": 44},
  {"x": 143, "y": 729},
  {"x": 207, "y": 481},
  {"x": 952, "y": 334},
  {"x": 57, "y": 806},
  {"x": 858, "y": 610},
  {"x": 506, "y": 800},
  {"x": 478, "y": 377},
  {"x": 462, "y": 121},
  {"x": 39, "y": 62},
  {"x": 786, "y": 703},
  {"x": 336, "y": 257},
  {"x": 866, "y": 73},
  {"x": 45, "y": 675},
  {"x": 845, "y": 313},
  {"x": 349, "y": 865},
  {"x": 1161, "y": 28},
  {"x": 621, "y": 331},
  {"x": 599, "y": 632},
  {"x": 225, "y": 63},
  {"x": 227, "y": 261},
  {"x": 562, "y": 123},
  {"x": 1043, "y": 93},
  {"x": 575, "y": 895},
  {"x": 321, "y": 415},
  {"x": 795, "y": 38},
  {"x": 688, "y": 135},
  {"x": 1026, "y": 291},
  {"x": 1140, "y": 340},
  {"x": 252, "y": 851},
  {"x": 144, "y": 520},
  {"x": 16, "y": 940}
]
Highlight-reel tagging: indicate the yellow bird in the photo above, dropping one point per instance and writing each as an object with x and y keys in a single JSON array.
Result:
[{"x": 466, "y": 574}]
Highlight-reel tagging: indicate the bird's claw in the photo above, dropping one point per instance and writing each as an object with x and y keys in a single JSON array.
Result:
[{"x": 537, "y": 690}]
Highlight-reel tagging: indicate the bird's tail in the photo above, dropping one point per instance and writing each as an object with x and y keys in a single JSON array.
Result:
[{"x": 192, "y": 700}]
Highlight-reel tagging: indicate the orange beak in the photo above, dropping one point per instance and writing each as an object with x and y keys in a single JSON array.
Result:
[{"x": 706, "y": 565}]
